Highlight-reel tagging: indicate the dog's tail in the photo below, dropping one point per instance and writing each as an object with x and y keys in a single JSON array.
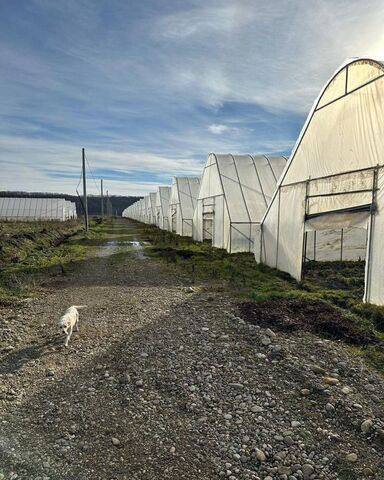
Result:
[{"x": 80, "y": 306}]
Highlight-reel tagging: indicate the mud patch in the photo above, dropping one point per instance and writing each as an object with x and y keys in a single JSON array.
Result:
[{"x": 312, "y": 316}]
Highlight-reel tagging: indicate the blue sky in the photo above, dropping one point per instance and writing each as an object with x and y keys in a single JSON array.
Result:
[{"x": 150, "y": 87}]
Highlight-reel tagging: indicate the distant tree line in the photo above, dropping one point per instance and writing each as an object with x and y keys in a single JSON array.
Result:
[{"x": 113, "y": 205}]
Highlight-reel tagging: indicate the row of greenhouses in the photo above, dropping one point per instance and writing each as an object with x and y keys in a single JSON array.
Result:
[
  {"x": 324, "y": 203},
  {"x": 36, "y": 209}
]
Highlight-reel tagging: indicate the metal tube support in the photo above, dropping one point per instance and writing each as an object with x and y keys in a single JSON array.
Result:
[{"x": 85, "y": 193}]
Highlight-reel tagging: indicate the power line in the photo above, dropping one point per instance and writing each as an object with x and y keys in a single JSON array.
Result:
[{"x": 93, "y": 177}]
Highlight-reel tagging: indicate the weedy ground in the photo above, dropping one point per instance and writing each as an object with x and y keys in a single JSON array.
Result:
[{"x": 328, "y": 301}]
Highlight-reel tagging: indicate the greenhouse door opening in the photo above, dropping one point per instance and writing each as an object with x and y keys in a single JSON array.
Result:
[{"x": 208, "y": 221}]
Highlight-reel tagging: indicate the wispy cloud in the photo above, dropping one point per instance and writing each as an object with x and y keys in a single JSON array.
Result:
[{"x": 151, "y": 87}]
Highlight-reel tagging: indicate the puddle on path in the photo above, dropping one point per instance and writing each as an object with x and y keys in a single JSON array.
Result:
[{"x": 118, "y": 246}]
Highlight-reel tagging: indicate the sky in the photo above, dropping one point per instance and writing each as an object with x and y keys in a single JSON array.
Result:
[{"x": 150, "y": 87}]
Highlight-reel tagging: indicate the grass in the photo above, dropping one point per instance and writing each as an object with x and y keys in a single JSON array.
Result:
[
  {"x": 32, "y": 249},
  {"x": 339, "y": 285}
]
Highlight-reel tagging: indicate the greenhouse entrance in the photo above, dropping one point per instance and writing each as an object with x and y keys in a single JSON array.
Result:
[{"x": 208, "y": 219}]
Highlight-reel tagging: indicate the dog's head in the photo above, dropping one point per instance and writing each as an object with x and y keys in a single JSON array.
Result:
[{"x": 64, "y": 329}]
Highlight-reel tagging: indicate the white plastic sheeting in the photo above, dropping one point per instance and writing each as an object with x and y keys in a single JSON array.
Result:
[
  {"x": 182, "y": 203},
  {"x": 335, "y": 171},
  {"x": 151, "y": 209},
  {"x": 162, "y": 207},
  {"x": 34, "y": 209},
  {"x": 234, "y": 194},
  {"x": 349, "y": 243}
]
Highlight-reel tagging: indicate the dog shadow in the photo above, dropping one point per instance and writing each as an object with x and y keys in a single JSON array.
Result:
[{"x": 15, "y": 360}]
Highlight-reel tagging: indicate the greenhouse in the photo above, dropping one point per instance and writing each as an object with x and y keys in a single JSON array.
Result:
[
  {"x": 162, "y": 207},
  {"x": 146, "y": 209},
  {"x": 34, "y": 209},
  {"x": 184, "y": 192},
  {"x": 133, "y": 211},
  {"x": 335, "y": 176},
  {"x": 234, "y": 194},
  {"x": 141, "y": 210}
]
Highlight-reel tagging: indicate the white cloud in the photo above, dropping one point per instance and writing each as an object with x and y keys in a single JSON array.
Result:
[{"x": 218, "y": 129}]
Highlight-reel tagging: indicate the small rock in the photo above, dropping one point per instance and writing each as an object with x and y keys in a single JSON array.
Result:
[
  {"x": 318, "y": 369},
  {"x": 265, "y": 341},
  {"x": 307, "y": 471},
  {"x": 346, "y": 390},
  {"x": 172, "y": 450},
  {"x": 236, "y": 385},
  {"x": 351, "y": 457},
  {"x": 329, "y": 408},
  {"x": 288, "y": 441},
  {"x": 366, "y": 426},
  {"x": 125, "y": 378},
  {"x": 367, "y": 472},
  {"x": 115, "y": 441},
  {"x": 295, "y": 423},
  {"x": 256, "y": 409},
  {"x": 139, "y": 383},
  {"x": 331, "y": 380},
  {"x": 260, "y": 455},
  {"x": 270, "y": 333},
  {"x": 305, "y": 392}
]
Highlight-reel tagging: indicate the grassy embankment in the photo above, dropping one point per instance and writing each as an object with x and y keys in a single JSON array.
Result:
[
  {"x": 32, "y": 249},
  {"x": 327, "y": 302}
]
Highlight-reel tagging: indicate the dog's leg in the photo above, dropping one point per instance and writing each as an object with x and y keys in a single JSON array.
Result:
[
  {"x": 69, "y": 335},
  {"x": 77, "y": 322}
]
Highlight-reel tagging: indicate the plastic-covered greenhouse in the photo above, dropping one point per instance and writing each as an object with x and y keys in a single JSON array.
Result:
[
  {"x": 151, "y": 209},
  {"x": 234, "y": 194},
  {"x": 162, "y": 207},
  {"x": 35, "y": 209},
  {"x": 182, "y": 202},
  {"x": 335, "y": 176}
]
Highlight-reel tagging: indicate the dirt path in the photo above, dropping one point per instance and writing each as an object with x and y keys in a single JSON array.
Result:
[{"x": 163, "y": 382}]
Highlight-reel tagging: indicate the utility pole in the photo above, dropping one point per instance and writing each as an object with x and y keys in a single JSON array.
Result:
[
  {"x": 102, "y": 198},
  {"x": 85, "y": 193}
]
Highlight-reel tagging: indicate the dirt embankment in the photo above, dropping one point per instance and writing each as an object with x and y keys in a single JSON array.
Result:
[{"x": 17, "y": 241}]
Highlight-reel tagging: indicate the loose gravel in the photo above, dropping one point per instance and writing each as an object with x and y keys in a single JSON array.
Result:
[{"x": 166, "y": 380}]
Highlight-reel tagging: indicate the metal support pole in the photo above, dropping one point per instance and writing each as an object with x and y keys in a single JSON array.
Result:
[
  {"x": 342, "y": 241},
  {"x": 102, "y": 198},
  {"x": 369, "y": 249},
  {"x": 85, "y": 193}
]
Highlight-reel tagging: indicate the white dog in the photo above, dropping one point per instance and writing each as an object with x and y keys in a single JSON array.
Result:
[{"x": 69, "y": 320}]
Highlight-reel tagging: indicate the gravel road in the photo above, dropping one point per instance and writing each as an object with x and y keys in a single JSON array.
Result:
[{"x": 165, "y": 381}]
